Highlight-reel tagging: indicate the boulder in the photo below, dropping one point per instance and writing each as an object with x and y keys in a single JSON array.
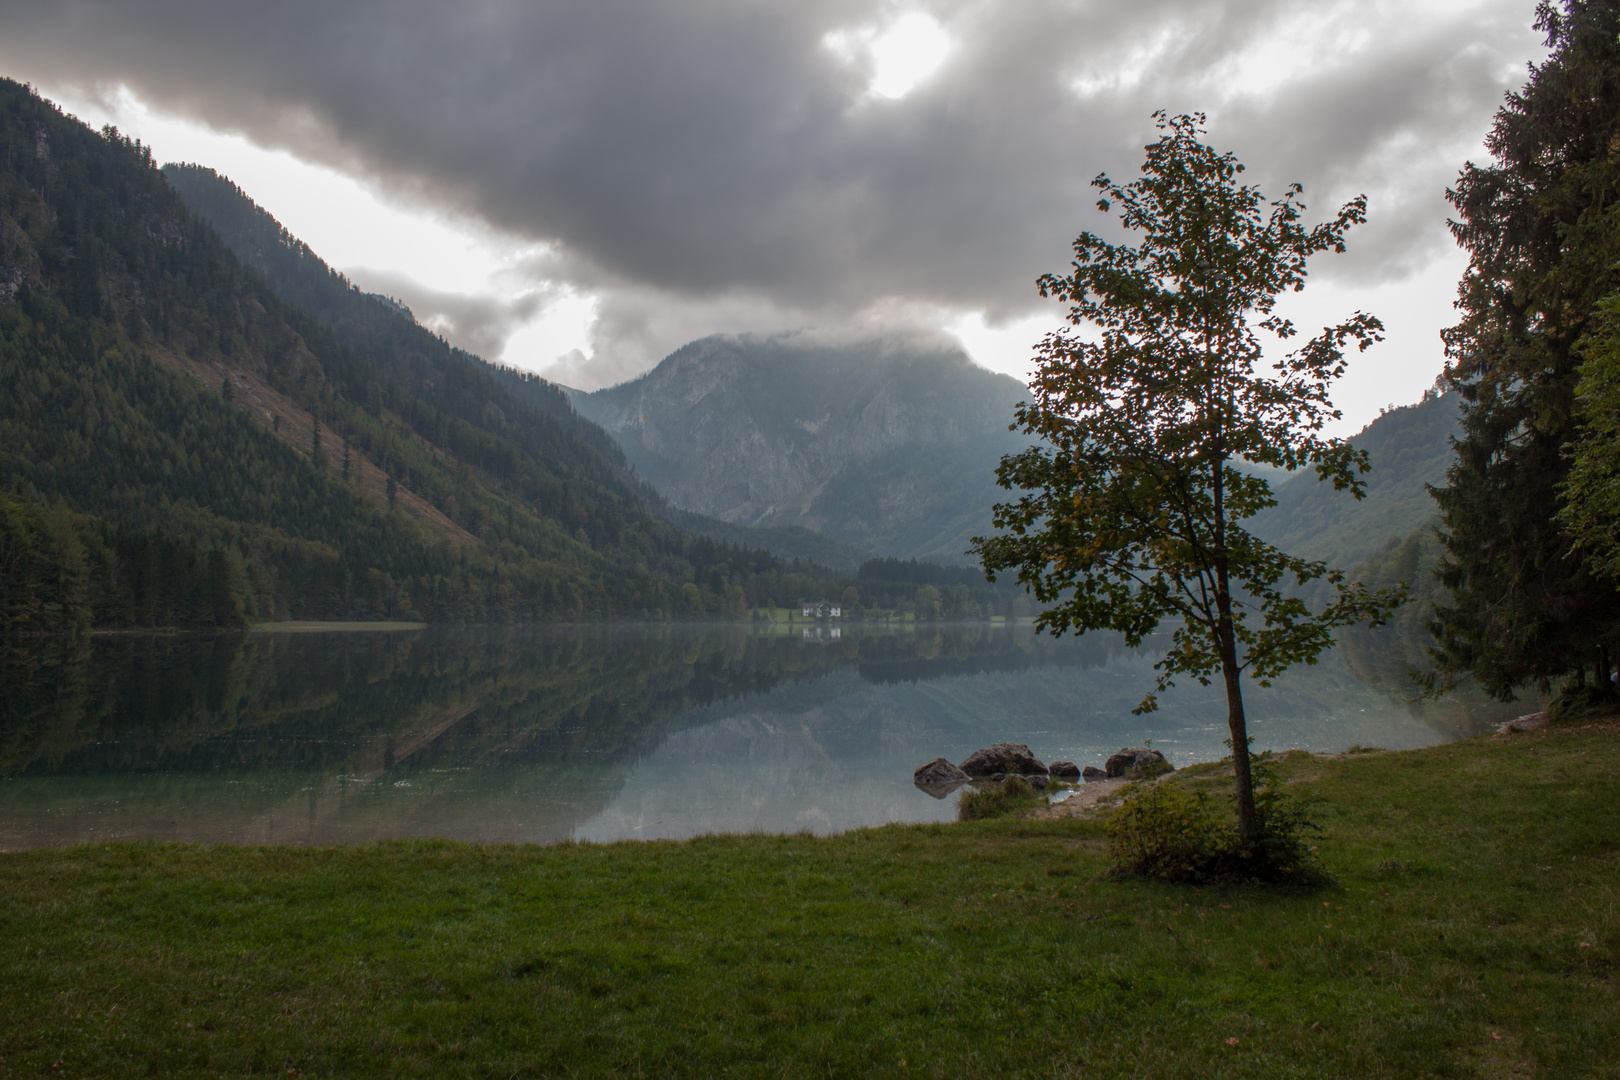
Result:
[
  {"x": 1038, "y": 781},
  {"x": 1131, "y": 759},
  {"x": 1004, "y": 757},
  {"x": 1091, "y": 774},
  {"x": 939, "y": 771},
  {"x": 1063, "y": 770}
]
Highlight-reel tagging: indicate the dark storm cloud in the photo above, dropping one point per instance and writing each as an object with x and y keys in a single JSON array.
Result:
[{"x": 714, "y": 156}]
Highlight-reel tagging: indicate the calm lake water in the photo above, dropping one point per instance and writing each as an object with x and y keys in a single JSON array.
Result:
[{"x": 550, "y": 734}]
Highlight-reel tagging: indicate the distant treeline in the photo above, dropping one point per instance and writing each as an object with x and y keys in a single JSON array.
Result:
[
  {"x": 930, "y": 591},
  {"x": 911, "y": 572}
]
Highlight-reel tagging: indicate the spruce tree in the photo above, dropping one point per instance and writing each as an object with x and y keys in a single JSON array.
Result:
[
  {"x": 1542, "y": 228},
  {"x": 1592, "y": 492}
]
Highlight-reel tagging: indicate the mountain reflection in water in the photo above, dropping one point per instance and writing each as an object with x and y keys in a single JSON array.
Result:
[{"x": 548, "y": 734}]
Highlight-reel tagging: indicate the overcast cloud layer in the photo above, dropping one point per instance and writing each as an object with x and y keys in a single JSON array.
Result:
[{"x": 713, "y": 164}]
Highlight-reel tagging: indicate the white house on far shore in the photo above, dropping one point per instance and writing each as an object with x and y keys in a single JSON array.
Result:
[{"x": 823, "y": 609}]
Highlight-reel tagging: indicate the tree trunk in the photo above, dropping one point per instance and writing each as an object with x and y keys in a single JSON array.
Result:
[{"x": 1243, "y": 795}]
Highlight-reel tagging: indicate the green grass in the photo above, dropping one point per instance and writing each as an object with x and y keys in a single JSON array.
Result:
[
  {"x": 1010, "y": 798},
  {"x": 1473, "y": 931}
]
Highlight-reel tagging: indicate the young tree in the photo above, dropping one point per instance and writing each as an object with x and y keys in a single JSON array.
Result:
[
  {"x": 1133, "y": 500},
  {"x": 1542, "y": 231}
]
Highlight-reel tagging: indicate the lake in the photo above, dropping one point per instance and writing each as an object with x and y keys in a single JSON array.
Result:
[{"x": 543, "y": 735}]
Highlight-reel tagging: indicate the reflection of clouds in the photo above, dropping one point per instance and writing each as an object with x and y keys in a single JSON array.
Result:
[
  {"x": 763, "y": 765},
  {"x": 744, "y": 738}
]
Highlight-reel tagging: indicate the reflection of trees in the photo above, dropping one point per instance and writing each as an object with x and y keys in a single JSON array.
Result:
[
  {"x": 935, "y": 652},
  {"x": 364, "y": 704},
  {"x": 302, "y": 738},
  {"x": 368, "y": 702}
]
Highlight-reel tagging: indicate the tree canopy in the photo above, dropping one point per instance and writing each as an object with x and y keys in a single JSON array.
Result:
[
  {"x": 1543, "y": 237},
  {"x": 1591, "y": 511},
  {"x": 1133, "y": 500}
]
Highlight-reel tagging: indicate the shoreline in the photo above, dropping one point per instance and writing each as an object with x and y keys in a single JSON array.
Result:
[{"x": 313, "y": 626}]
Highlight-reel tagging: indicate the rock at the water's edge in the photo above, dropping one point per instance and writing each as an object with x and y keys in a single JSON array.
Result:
[
  {"x": 1091, "y": 774},
  {"x": 939, "y": 771},
  {"x": 1063, "y": 770},
  {"x": 1131, "y": 759},
  {"x": 1004, "y": 757}
]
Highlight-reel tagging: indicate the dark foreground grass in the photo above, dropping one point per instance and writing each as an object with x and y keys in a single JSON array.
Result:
[{"x": 1473, "y": 932}]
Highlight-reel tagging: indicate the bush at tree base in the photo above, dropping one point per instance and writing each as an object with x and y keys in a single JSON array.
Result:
[{"x": 1166, "y": 833}]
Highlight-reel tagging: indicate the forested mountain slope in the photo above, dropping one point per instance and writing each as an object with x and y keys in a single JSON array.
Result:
[
  {"x": 496, "y": 400},
  {"x": 1409, "y": 448},
  {"x": 891, "y": 447},
  {"x": 506, "y": 404},
  {"x": 182, "y": 445}
]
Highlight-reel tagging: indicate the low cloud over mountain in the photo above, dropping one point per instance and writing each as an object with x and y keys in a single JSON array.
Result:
[{"x": 718, "y": 162}]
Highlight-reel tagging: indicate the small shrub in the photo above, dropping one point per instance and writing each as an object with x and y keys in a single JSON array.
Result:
[
  {"x": 1169, "y": 834},
  {"x": 1011, "y": 796},
  {"x": 1281, "y": 852},
  {"x": 1166, "y": 833}
]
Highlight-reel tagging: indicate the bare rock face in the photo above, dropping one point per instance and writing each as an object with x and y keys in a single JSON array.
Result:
[
  {"x": 1091, "y": 774},
  {"x": 939, "y": 771},
  {"x": 1131, "y": 759},
  {"x": 1009, "y": 758},
  {"x": 1063, "y": 770},
  {"x": 888, "y": 445}
]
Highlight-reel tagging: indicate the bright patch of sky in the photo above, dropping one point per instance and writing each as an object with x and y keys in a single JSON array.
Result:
[
  {"x": 900, "y": 55},
  {"x": 1007, "y": 347},
  {"x": 557, "y": 340},
  {"x": 1394, "y": 372},
  {"x": 1123, "y": 69}
]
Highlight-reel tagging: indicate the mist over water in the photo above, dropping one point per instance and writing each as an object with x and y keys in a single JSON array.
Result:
[{"x": 541, "y": 735}]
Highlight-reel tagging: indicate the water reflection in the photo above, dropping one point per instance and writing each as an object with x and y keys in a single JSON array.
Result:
[{"x": 543, "y": 735}]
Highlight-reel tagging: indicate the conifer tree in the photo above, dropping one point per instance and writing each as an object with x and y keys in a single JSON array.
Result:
[
  {"x": 1592, "y": 491},
  {"x": 1542, "y": 229}
]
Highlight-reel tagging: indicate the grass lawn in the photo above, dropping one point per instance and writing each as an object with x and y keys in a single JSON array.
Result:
[{"x": 1474, "y": 931}]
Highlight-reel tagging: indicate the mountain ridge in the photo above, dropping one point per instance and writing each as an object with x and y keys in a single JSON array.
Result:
[
  {"x": 1409, "y": 448},
  {"x": 181, "y": 445},
  {"x": 888, "y": 446}
]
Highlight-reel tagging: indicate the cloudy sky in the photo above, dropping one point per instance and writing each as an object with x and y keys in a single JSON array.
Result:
[{"x": 580, "y": 187}]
